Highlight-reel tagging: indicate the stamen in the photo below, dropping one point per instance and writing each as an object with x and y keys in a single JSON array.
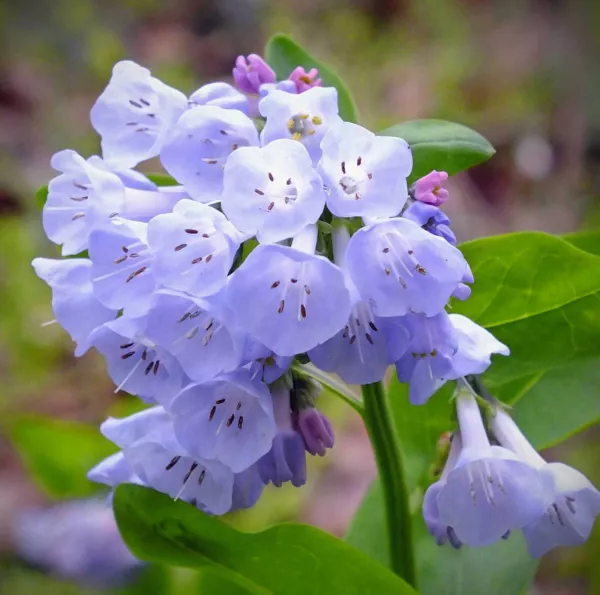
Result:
[
  {"x": 135, "y": 274},
  {"x": 77, "y": 216},
  {"x": 173, "y": 462},
  {"x": 289, "y": 181},
  {"x": 126, "y": 345},
  {"x": 224, "y": 132},
  {"x": 294, "y": 280},
  {"x": 128, "y": 354},
  {"x": 274, "y": 285},
  {"x": 271, "y": 177},
  {"x": 343, "y": 167},
  {"x": 238, "y": 406},
  {"x": 80, "y": 186},
  {"x": 184, "y": 317},
  {"x": 385, "y": 250},
  {"x": 220, "y": 401},
  {"x": 359, "y": 161},
  {"x": 240, "y": 422},
  {"x": 230, "y": 420},
  {"x": 209, "y": 258},
  {"x": 421, "y": 269},
  {"x": 121, "y": 259},
  {"x": 307, "y": 289},
  {"x": 135, "y": 103},
  {"x": 369, "y": 338},
  {"x": 148, "y": 368},
  {"x": 145, "y": 354},
  {"x": 302, "y": 311},
  {"x": 125, "y": 249},
  {"x": 372, "y": 325},
  {"x": 189, "y": 473},
  {"x": 191, "y": 231},
  {"x": 205, "y": 235},
  {"x": 212, "y": 413},
  {"x": 146, "y": 103},
  {"x": 281, "y": 306},
  {"x": 270, "y": 207},
  {"x": 570, "y": 501},
  {"x": 78, "y": 198},
  {"x": 197, "y": 260},
  {"x": 155, "y": 371},
  {"x": 180, "y": 247},
  {"x": 258, "y": 191},
  {"x": 352, "y": 339},
  {"x": 202, "y": 474}
]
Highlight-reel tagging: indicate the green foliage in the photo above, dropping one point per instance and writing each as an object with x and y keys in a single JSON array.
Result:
[
  {"x": 283, "y": 55},
  {"x": 440, "y": 145},
  {"x": 161, "y": 179},
  {"x": 59, "y": 453},
  {"x": 286, "y": 558}
]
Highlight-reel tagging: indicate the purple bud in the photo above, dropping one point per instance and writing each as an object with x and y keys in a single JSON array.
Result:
[
  {"x": 251, "y": 72},
  {"x": 316, "y": 431},
  {"x": 429, "y": 189},
  {"x": 305, "y": 80}
]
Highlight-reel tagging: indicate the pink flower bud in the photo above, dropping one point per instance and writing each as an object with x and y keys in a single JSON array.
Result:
[
  {"x": 429, "y": 189},
  {"x": 305, "y": 80},
  {"x": 316, "y": 431},
  {"x": 251, "y": 72}
]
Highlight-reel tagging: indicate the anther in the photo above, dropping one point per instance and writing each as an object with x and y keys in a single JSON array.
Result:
[
  {"x": 77, "y": 216},
  {"x": 258, "y": 191},
  {"x": 359, "y": 161},
  {"x": 373, "y": 327},
  {"x": 205, "y": 235},
  {"x": 289, "y": 181},
  {"x": 180, "y": 247},
  {"x": 357, "y": 196},
  {"x": 126, "y": 345},
  {"x": 201, "y": 477},
  {"x": 385, "y": 250},
  {"x": 78, "y": 198},
  {"x": 343, "y": 167},
  {"x": 212, "y": 413},
  {"x": 240, "y": 422},
  {"x": 128, "y": 354},
  {"x": 184, "y": 317},
  {"x": 189, "y": 473},
  {"x": 80, "y": 186},
  {"x": 570, "y": 501},
  {"x": 369, "y": 338},
  {"x": 230, "y": 420},
  {"x": 224, "y": 132},
  {"x": 387, "y": 271},
  {"x": 421, "y": 269},
  {"x": 307, "y": 289},
  {"x": 135, "y": 103},
  {"x": 173, "y": 462},
  {"x": 370, "y": 176},
  {"x": 148, "y": 368},
  {"x": 238, "y": 406},
  {"x": 281, "y": 306},
  {"x": 155, "y": 371},
  {"x": 209, "y": 258},
  {"x": 220, "y": 401},
  {"x": 317, "y": 120},
  {"x": 270, "y": 207},
  {"x": 302, "y": 311},
  {"x": 352, "y": 339},
  {"x": 191, "y": 231},
  {"x": 274, "y": 285},
  {"x": 145, "y": 354},
  {"x": 294, "y": 280},
  {"x": 197, "y": 260},
  {"x": 271, "y": 177},
  {"x": 146, "y": 103},
  {"x": 135, "y": 274}
]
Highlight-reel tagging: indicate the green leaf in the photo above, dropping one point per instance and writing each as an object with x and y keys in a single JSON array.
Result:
[
  {"x": 503, "y": 569},
  {"x": 161, "y": 179},
  {"x": 444, "y": 146},
  {"x": 40, "y": 196},
  {"x": 284, "y": 559},
  {"x": 59, "y": 453},
  {"x": 539, "y": 295},
  {"x": 283, "y": 55},
  {"x": 588, "y": 241},
  {"x": 333, "y": 383}
]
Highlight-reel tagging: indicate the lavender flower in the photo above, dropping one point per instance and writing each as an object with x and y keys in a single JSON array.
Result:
[
  {"x": 431, "y": 219},
  {"x": 251, "y": 72},
  {"x": 304, "y": 118},
  {"x": 272, "y": 192},
  {"x": 490, "y": 490},
  {"x": 572, "y": 503},
  {"x": 229, "y": 420},
  {"x": 199, "y": 145},
  {"x": 135, "y": 114},
  {"x": 287, "y": 298},
  {"x": 220, "y": 95},
  {"x": 401, "y": 268},
  {"x": 365, "y": 174},
  {"x": 74, "y": 304},
  {"x": 316, "y": 430}
]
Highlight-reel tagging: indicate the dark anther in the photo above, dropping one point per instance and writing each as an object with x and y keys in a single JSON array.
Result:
[
  {"x": 197, "y": 260},
  {"x": 173, "y": 462},
  {"x": 224, "y": 132},
  {"x": 205, "y": 235},
  {"x": 372, "y": 325},
  {"x": 128, "y": 354},
  {"x": 270, "y": 207},
  {"x": 201, "y": 477},
  {"x": 135, "y": 274},
  {"x": 126, "y": 345},
  {"x": 352, "y": 339},
  {"x": 370, "y": 176},
  {"x": 230, "y": 420},
  {"x": 289, "y": 181},
  {"x": 80, "y": 186},
  {"x": 155, "y": 371},
  {"x": 212, "y": 413},
  {"x": 180, "y": 247},
  {"x": 302, "y": 311},
  {"x": 359, "y": 161},
  {"x": 192, "y": 469},
  {"x": 387, "y": 271},
  {"x": 145, "y": 354},
  {"x": 274, "y": 285},
  {"x": 421, "y": 269},
  {"x": 346, "y": 331},
  {"x": 240, "y": 422},
  {"x": 369, "y": 338},
  {"x": 411, "y": 252},
  {"x": 258, "y": 191},
  {"x": 220, "y": 401},
  {"x": 281, "y": 306},
  {"x": 191, "y": 231},
  {"x": 149, "y": 368},
  {"x": 271, "y": 177},
  {"x": 146, "y": 103},
  {"x": 209, "y": 258},
  {"x": 385, "y": 250},
  {"x": 357, "y": 196},
  {"x": 307, "y": 289},
  {"x": 135, "y": 103},
  {"x": 121, "y": 259},
  {"x": 343, "y": 167},
  {"x": 294, "y": 280},
  {"x": 184, "y": 317},
  {"x": 238, "y": 406}
]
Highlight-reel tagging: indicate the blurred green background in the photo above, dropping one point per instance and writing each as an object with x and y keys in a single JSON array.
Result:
[{"x": 522, "y": 72}]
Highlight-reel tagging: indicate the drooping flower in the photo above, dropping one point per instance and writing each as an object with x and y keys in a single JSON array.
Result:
[
  {"x": 287, "y": 86},
  {"x": 159, "y": 460},
  {"x": 305, "y": 80},
  {"x": 81, "y": 197},
  {"x": 431, "y": 514},
  {"x": 193, "y": 248},
  {"x": 286, "y": 460},
  {"x": 113, "y": 471},
  {"x": 401, "y": 268},
  {"x": 122, "y": 266},
  {"x": 287, "y": 298},
  {"x": 365, "y": 174},
  {"x": 199, "y": 145},
  {"x": 429, "y": 189},
  {"x": 490, "y": 491},
  {"x": 250, "y": 72},
  {"x": 304, "y": 118},
  {"x": 431, "y": 219},
  {"x": 221, "y": 95},
  {"x": 229, "y": 420},
  {"x": 135, "y": 114},
  {"x": 361, "y": 352},
  {"x": 136, "y": 364},
  {"x": 247, "y": 488},
  {"x": 572, "y": 502},
  {"x": 272, "y": 192},
  {"x": 75, "y": 540},
  {"x": 75, "y": 306},
  {"x": 194, "y": 331}
]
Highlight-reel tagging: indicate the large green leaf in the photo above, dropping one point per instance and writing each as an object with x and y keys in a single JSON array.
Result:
[
  {"x": 440, "y": 145},
  {"x": 283, "y": 54},
  {"x": 538, "y": 294},
  {"x": 285, "y": 559},
  {"x": 502, "y": 569},
  {"x": 59, "y": 453}
]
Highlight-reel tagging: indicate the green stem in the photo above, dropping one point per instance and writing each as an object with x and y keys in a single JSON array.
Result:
[{"x": 390, "y": 464}]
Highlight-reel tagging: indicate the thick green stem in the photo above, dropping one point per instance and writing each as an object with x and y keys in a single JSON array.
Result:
[{"x": 390, "y": 464}]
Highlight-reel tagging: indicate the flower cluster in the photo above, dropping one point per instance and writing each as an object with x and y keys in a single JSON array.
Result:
[
  {"x": 289, "y": 236},
  {"x": 488, "y": 489}
]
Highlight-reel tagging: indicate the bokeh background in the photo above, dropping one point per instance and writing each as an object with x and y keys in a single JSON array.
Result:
[{"x": 524, "y": 73}]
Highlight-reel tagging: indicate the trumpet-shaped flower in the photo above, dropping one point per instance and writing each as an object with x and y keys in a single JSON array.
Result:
[{"x": 221, "y": 95}]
